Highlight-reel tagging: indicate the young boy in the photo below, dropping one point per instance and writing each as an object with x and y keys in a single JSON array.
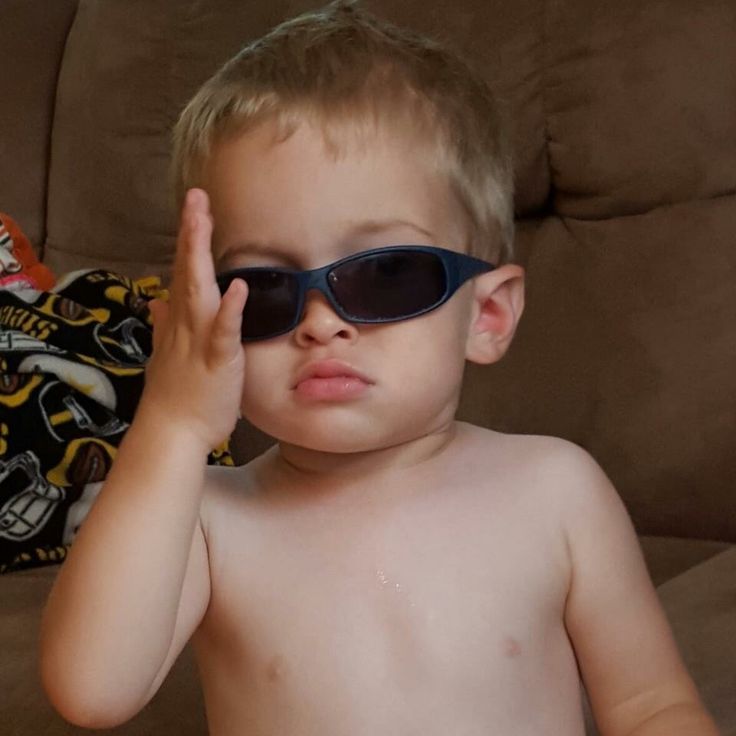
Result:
[{"x": 384, "y": 569}]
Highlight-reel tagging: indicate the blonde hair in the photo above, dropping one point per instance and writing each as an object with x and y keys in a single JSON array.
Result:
[{"x": 346, "y": 70}]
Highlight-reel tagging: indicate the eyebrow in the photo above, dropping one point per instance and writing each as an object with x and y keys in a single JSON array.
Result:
[
  {"x": 273, "y": 250},
  {"x": 369, "y": 227}
]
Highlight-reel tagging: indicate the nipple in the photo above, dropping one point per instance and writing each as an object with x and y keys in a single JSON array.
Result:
[{"x": 276, "y": 668}]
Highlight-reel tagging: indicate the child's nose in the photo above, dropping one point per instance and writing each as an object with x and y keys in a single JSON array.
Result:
[{"x": 320, "y": 323}]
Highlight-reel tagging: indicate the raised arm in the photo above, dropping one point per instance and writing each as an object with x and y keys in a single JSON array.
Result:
[
  {"x": 632, "y": 670},
  {"x": 136, "y": 582}
]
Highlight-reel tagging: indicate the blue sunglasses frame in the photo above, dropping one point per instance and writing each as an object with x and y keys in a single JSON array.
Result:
[{"x": 458, "y": 268}]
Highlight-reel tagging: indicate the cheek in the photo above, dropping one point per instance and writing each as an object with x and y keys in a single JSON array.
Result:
[
  {"x": 262, "y": 376},
  {"x": 445, "y": 330},
  {"x": 430, "y": 352}
]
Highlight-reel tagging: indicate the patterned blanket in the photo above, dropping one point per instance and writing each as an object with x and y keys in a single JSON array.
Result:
[{"x": 71, "y": 374}]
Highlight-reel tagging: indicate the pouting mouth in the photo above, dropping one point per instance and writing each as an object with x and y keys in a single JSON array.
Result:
[{"x": 331, "y": 368}]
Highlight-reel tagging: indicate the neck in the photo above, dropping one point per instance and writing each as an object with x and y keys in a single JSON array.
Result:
[{"x": 302, "y": 467}]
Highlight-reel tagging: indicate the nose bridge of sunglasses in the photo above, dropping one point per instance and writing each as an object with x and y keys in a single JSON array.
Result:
[{"x": 317, "y": 280}]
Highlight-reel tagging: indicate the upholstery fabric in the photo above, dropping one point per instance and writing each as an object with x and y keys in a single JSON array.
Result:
[
  {"x": 626, "y": 349},
  {"x": 668, "y": 557},
  {"x": 30, "y": 57},
  {"x": 177, "y": 709},
  {"x": 624, "y": 128},
  {"x": 131, "y": 65},
  {"x": 639, "y": 103},
  {"x": 699, "y": 607}
]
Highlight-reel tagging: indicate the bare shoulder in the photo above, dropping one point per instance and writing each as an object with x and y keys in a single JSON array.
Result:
[
  {"x": 538, "y": 444},
  {"x": 550, "y": 475},
  {"x": 543, "y": 461},
  {"x": 567, "y": 482}
]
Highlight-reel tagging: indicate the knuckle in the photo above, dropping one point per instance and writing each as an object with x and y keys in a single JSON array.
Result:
[{"x": 192, "y": 288}]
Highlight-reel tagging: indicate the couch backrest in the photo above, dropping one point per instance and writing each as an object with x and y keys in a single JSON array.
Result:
[
  {"x": 32, "y": 38},
  {"x": 625, "y": 138}
]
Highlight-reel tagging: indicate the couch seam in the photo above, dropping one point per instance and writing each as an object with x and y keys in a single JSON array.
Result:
[
  {"x": 650, "y": 210},
  {"x": 543, "y": 62},
  {"x": 68, "y": 252},
  {"x": 52, "y": 125}
]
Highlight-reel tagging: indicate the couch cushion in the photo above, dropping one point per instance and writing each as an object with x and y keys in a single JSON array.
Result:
[
  {"x": 701, "y": 607},
  {"x": 571, "y": 73},
  {"x": 627, "y": 345},
  {"x": 640, "y": 104},
  {"x": 131, "y": 65},
  {"x": 628, "y": 348},
  {"x": 24, "y": 709},
  {"x": 32, "y": 38},
  {"x": 668, "y": 557}
]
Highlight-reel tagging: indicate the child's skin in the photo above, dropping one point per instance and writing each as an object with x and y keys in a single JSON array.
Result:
[{"x": 384, "y": 569}]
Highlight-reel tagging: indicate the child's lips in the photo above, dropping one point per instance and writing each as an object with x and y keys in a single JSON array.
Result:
[
  {"x": 335, "y": 388},
  {"x": 331, "y": 380}
]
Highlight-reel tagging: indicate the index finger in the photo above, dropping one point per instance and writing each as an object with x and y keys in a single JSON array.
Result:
[{"x": 194, "y": 272}]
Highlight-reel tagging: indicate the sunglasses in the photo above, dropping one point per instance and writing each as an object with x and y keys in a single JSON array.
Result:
[{"x": 374, "y": 286}]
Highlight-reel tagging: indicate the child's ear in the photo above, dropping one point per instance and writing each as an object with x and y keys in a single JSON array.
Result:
[{"x": 498, "y": 302}]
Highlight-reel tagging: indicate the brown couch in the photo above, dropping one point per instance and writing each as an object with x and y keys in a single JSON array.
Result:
[{"x": 625, "y": 132}]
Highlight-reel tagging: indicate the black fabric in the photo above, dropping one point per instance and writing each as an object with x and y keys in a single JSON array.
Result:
[{"x": 71, "y": 374}]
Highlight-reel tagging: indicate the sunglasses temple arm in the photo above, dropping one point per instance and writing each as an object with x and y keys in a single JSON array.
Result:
[{"x": 467, "y": 268}]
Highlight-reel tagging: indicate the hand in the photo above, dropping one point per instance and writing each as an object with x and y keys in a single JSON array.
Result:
[{"x": 195, "y": 374}]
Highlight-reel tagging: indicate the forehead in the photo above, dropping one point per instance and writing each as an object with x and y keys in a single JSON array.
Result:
[{"x": 308, "y": 190}]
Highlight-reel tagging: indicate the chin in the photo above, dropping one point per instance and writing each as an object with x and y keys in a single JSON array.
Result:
[
  {"x": 334, "y": 434},
  {"x": 328, "y": 445},
  {"x": 335, "y": 441}
]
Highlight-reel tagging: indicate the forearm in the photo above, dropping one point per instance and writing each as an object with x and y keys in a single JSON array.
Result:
[
  {"x": 685, "y": 719},
  {"x": 113, "y": 608},
  {"x": 127, "y": 597}
]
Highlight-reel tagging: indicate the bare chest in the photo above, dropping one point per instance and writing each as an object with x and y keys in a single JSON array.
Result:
[{"x": 440, "y": 602}]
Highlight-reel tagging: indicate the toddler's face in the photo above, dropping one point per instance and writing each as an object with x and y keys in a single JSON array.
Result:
[{"x": 290, "y": 204}]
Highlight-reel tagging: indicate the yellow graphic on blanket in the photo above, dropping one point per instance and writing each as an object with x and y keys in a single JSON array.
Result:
[
  {"x": 16, "y": 389},
  {"x": 221, "y": 454},
  {"x": 135, "y": 302},
  {"x": 86, "y": 460},
  {"x": 148, "y": 285},
  {"x": 110, "y": 367},
  {"x": 70, "y": 311},
  {"x": 20, "y": 318},
  {"x": 52, "y": 554},
  {"x": 4, "y": 432}
]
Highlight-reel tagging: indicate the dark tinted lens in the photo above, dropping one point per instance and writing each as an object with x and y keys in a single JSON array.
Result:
[
  {"x": 272, "y": 302},
  {"x": 389, "y": 285}
]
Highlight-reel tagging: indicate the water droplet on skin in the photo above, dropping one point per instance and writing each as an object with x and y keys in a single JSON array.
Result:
[
  {"x": 381, "y": 575},
  {"x": 398, "y": 587}
]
